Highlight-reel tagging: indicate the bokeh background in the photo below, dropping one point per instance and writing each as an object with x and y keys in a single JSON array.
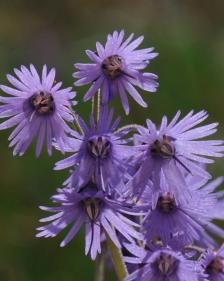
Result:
[{"x": 189, "y": 35}]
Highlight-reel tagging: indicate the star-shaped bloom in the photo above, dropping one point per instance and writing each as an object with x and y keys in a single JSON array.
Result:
[
  {"x": 116, "y": 69},
  {"x": 101, "y": 151},
  {"x": 213, "y": 264},
  {"x": 99, "y": 214},
  {"x": 37, "y": 108},
  {"x": 164, "y": 265},
  {"x": 175, "y": 149},
  {"x": 184, "y": 223}
]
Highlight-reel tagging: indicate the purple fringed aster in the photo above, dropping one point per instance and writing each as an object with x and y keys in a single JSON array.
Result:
[
  {"x": 175, "y": 149},
  {"x": 98, "y": 214},
  {"x": 213, "y": 264},
  {"x": 100, "y": 151},
  {"x": 38, "y": 108},
  {"x": 179, "y": 225},
  {"x": 116, "y": 69},
  {"x": 163, "y": 265}
]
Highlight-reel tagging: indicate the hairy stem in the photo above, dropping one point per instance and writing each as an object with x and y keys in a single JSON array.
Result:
[{"x": 119, "y": 265}]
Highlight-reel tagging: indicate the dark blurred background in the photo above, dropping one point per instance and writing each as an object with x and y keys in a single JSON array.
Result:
[{"x": 189, "y": 35}]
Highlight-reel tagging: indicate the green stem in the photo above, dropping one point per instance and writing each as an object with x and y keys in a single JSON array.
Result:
[
  {"x": 76, "y": 123},
  {"x": 96, "y": 106},
  {"x": 116, "y": 253},
  {"x": 79, "y": 129},
  {"x": 119, "y": 265},
  {"x": 131, "y": 126},
  {"x": 100, "y": 268}
]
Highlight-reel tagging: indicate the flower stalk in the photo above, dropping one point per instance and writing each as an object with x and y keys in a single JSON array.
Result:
[
  {"x": 117, "y": 258},
  {"x": 96, "y": 106},
  {"x": 119, "y": 265},
  {"x": 100, "y": 268}
]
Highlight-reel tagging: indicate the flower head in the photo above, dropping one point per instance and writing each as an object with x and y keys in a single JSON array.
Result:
[
  {"x": 99, "y": 152},
  {"x": 213, "y": 264},
  {"x": 176, "y": 149},
  {"x": 38, "y": 108},
  {"x": 116, "y": 69},
  {"x": 97, "y": 213},
  {"x": 184, "y": 223},
  {"x": 165, "y": 265}
]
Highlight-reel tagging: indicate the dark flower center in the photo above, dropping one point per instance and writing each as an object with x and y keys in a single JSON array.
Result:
[
  {"x": 166, "y": 203},
  {"x": 99, "y": 147},
  {"x": 112, "y": 66},
  {"x": 42, "y": 103},
  {"x": 163, "y": 148},
  {"x": 92, "y": 208},
  {"x": 166, "y": 264},
  {"x": 215, "y": 266}
]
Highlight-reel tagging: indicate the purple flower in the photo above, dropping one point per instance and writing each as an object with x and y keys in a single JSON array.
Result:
[
  {"x": 116, "y": 69},
  {"x": 213, "y": 264},
  {"x": 100, "y": 152},
  {"x": 38, "y": 108},
  {"x": 179, "y": 225},
  {"x": 174, "y": 150},
  {"x": 165, "y": 265},
  {"x": 91, "y": 209}
]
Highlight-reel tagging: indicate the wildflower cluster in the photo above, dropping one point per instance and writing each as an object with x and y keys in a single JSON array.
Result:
[{"x": 145, "y": 189}]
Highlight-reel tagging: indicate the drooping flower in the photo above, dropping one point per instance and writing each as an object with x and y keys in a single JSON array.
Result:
[
  {"x": 213, "y": 264},
  {"x": 99, "y": 152},
  {"x": 174, "y": 150},
  {"x": 90, "y": 208},
  {"x": 38, "y": 108},
  {"x": 165, "y": 265},
  {"x": 184, "y": 223},
  {"x": 116, "y": 69}
]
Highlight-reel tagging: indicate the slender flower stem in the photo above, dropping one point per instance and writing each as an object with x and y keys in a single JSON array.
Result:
[
  {"x": 131, "y": 126},
  {"x": 96, "y": 114},
  {"x": 100, "y": 268},
  {"x": 194, "y": 247},
  {"x": 119, "y": 265},
  {"x": 96, "y": 106},
  {"x": 76, "y": 124}
]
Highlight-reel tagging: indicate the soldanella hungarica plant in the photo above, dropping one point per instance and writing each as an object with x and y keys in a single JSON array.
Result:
[{"x": 142, "y": 193}]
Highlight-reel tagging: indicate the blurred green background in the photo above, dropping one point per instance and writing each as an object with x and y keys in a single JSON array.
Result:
[{"x": 189, "y": 35}]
